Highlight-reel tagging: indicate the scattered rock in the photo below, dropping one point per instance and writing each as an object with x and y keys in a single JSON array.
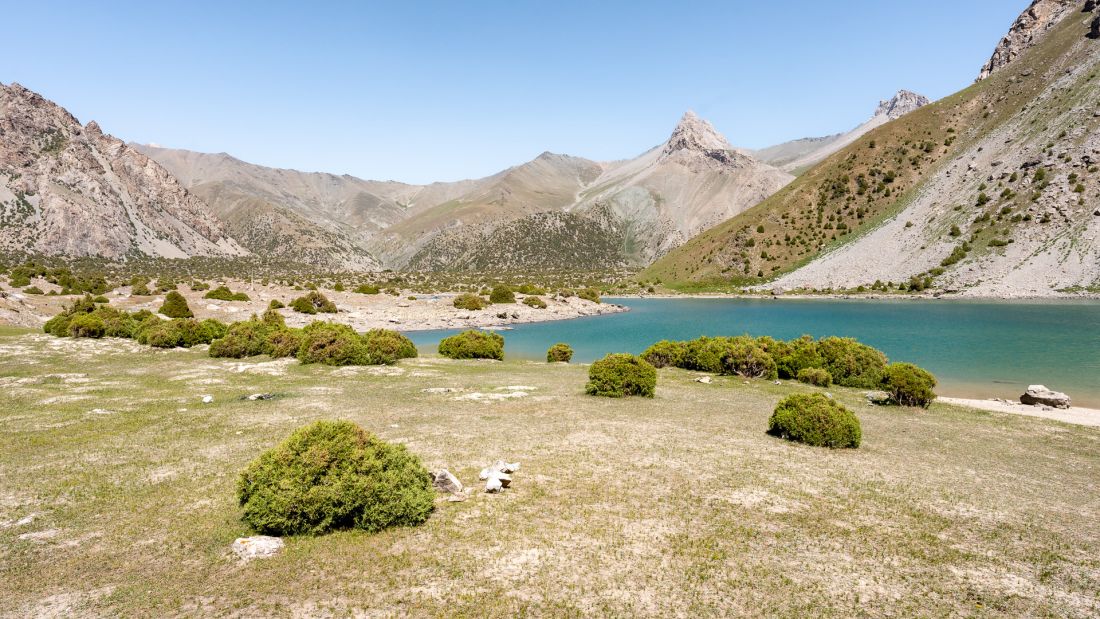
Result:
[
  {"x": 207, "y": 399},
  {"x": 498, "y": 475},
  {"x": 257, "y": 547},
  {"x": 442, "y": 390},
  {"x": 261, "y": 396},
  {"x": 493, "y": 485},
  {"x": 1039, "y": 395},
  {"x": 877, "y": 397},
  {"x": 445, "y": 481},
  {"x": 706, "y": 380}
]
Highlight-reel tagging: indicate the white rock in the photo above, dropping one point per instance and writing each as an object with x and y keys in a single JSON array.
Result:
[
  {"x": 706, "y": 380},
  {"x": 493, "y": 485},
  {"x": 207, "y": 399},
  {"x": 257, "y": 547}
]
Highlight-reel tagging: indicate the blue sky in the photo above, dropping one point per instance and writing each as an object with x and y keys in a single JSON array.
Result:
[{"x": 422, "y": 90}]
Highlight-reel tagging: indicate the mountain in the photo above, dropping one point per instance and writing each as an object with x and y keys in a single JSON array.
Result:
[
  {"x": 555, "y": 211},
  {"x": 799, "y": 155},
  {"x": 991, "y": 191},
  {"x": 67, "y": 189}
]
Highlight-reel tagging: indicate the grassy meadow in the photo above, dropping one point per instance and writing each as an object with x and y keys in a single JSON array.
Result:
[{"x": 117, "y": 496}]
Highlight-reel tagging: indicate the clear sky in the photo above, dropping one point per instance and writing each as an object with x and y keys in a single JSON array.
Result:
[{"x": 423, "y": 90}]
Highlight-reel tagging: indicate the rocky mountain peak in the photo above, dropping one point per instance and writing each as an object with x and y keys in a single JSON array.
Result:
[
  {"x": 902, "y": 103},
  {"x": 1029, "y": 27},
  {"x": 694, "y": 133}
]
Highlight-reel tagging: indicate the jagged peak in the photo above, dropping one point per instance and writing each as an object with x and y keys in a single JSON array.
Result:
[
  {"x": 694, "y": 133},
  {"x": 900, "y": 104},
  {"x": 1039, "y": 17}
]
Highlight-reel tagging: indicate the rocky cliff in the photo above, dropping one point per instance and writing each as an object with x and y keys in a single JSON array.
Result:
[
  {"x": 1026, "y": 31},
  {"x": 67, "y": 189}
]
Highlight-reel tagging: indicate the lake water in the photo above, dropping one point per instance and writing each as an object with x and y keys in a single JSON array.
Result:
[{"x": 975, "y": 348}]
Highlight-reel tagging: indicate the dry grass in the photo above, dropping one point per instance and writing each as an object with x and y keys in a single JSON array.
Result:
[{"x": 676, "y": 506}]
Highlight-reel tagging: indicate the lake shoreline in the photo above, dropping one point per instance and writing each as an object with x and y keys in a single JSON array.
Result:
[
  {"x": 1075, "y": 414},
  {"x": 1090, "y": 296}
]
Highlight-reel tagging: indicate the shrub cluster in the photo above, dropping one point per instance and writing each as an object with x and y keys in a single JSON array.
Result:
[
  {"x": 221, "y": 293},
  {"x": 334, "y": 475},
  {"x": 181, "y": 333},
  {"x": 559, "y": 353},
  {"x": 618, "y": 375},
  {"x": 502, "y": 294},
  {"x": 589, "y": 294},
  {"x": 534, "y": 302},
  {"x": 815, "y": 419},
  {"x": 313, "y": 303},
  {"x": 473, "y": 345},
  {"x": 470, "y": 302},
  {"x": 815, "y": 376},
  {"x": 909, "y": 385},
  {"x": 335, "y": 344},
  {"x": 175, "y": 306}
]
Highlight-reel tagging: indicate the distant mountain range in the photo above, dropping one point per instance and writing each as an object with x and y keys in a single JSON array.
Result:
[{"x": 994, "y": 190}]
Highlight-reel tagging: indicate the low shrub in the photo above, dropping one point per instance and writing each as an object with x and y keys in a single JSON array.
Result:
[
  {"x": 665, "y": 354},
  {"x": 618, "y": 375},
  {"x": 534, "y": 302},
  {"x": 181, "y": 333},
  {"x": 175, "y": 306},
  {"x": 247, "y": 338},
  {"x": 221, "y": 293},
  {"x": 744, "y": 357},
  {"x": 815, "y": 419},
  {"x": 797, "y": 355},
  {"x": 473, "y": 345},
  {"x": 909, "y": 385},
  {"x": 502, "y": 294},
  {"x": 275, "y": 304},
  {"x": 313, "y": 303},
  {"x": 589, "y": 294},
  {"x": 284, "y": 342},
  {"x": 86, "y": 325},
  {"x": 33, "y": 290},
  {"x": 367, "y": 289},
  {"x": 815, "y": 376},
  {"x": 470, "y": 302},
  {"x": 140, "y": 288},
  {"x": 334, "y": 475},
  {"x": 559, "y": 353},
  {"x": 852, "y": 364},
  {"x": 332, "y": 344},
  {"x": 272, "y": 318},
  {"x": 385, "y": 347}
]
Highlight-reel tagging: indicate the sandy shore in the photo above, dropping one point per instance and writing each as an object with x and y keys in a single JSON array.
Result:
[
  {"x": 408, "y": 312},
  {"x": 1074, "y": 415}
]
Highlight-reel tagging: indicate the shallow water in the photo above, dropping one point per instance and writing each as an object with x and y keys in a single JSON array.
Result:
[{"x": 975, "y": 348}]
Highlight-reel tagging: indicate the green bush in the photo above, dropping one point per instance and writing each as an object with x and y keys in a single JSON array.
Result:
[
  {"x": 470, "y": 302},
  {"x": 274, "y": 319},
  {"x": 909, "y": 385},
  {"x": 744, "y": 357},
  {"x": 221, "y": 293},
  {"x": 87, "y": 325},
  {"x": 618, "y": 375},
  {"x": 140, "y": 288},
  {"x": 367, "y": 289},
  {"x": 815, "y": 376},
  {"x": 589, "y": 294},
  {"x": 175, "y": 306},
  {"x": 247, "y": 338},
  {"x": 313, "y": 303},
  {"x": 814, "y": 419},
  {"x": 284, "y": 342},
  {"x": 385, "y": 347},
  {"x": 534, "y": 302},
  {"x": 559, "y": 353},
  {"x": 183, "y": 333},
  {"x": 334, "y": 475},
  {"x": 33, "y": 290},
  {"x": 502, "y": 294},
  {"x": 796, "y": 356},
  {"x": 473, "y": 345},
  {"x": 275, "y": 304},
  {"x": 332, "y": 344},
  {"x": 852, "y": 364},
  {"x": 665, "y": 354}
]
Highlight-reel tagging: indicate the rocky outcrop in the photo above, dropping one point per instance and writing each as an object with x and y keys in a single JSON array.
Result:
[
  {"x": 694, "y": 133},
  {"x": 904, "y": 102},
  {"x": 1027, "y": 30},
  {"x": 1094, "y": 28},
  {"x": 1039, "y": 395},
  {"x": 72, "y": 190}
]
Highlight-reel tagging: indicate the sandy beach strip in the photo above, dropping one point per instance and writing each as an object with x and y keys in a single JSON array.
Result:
[{"x": 1075, "y": 415}]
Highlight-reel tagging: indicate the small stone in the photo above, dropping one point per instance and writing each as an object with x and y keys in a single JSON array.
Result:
[
  {"x": 257, "y": 547},
  {"x": 445, "y": 481},
  {"x": 207, "y": 399},
  {"x": 706, "y": 380},
  {"x": 261, "y": 396}
]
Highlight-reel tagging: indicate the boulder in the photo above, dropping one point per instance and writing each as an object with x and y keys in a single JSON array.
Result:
[
  {"x": 706, "y": 380},
  {"x": 1039, "y": 395},
  {"x": 445, "y": 481},
  {"x": 257, "y": 547},
  {"x": 493, "y": 485}
]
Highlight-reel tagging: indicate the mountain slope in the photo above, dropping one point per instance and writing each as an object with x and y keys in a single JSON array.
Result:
[
  {"x": 952, "y": 191},
  {"x": 74, "y": 191},
  {"x": 799, "y": 155}
]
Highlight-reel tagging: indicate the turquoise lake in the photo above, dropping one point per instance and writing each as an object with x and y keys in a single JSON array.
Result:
[{"x": 975, "y": 348}]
